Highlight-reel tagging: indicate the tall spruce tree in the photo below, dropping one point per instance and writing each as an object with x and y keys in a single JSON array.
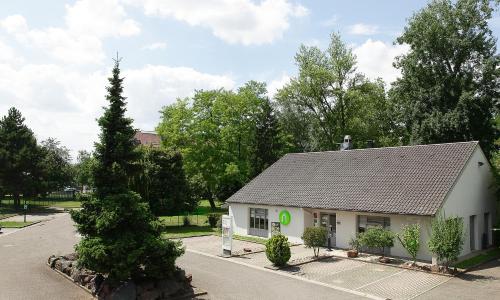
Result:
[
  {"x": 19, "y": 155},
  {"x": 267, "y": 143},
  {"x": 450, "y": 76},
  {"x": 120, "y": 236}
]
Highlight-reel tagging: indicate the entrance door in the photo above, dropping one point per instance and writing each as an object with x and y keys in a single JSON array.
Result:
[
  {"x": 329, "y": 221},
  {"x": 472, "y": 233}
]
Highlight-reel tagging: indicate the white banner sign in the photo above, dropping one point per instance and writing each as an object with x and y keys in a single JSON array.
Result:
[{"x": 227, "y": 234}]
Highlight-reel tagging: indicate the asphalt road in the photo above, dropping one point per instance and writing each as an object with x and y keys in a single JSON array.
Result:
[
  {"x": 227, "y": 280},
  {"x": 23, "y": 255},
  {"x": 25, "y": 275}
]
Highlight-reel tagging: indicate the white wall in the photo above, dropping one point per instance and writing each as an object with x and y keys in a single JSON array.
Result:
[
  {"x": 473, "y": 194},
  {"x": 347, "y": 227},
  {"x": 241, "y": 219}
]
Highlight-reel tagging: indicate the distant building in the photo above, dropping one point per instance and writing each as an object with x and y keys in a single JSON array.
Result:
[{"x": 148, "y": 138}]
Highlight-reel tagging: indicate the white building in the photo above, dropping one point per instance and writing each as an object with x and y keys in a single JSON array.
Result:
[{"x": 349, "y": 191}]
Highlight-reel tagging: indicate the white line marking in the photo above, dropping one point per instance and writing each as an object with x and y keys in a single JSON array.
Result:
[
  {"x": 433, "y": 287},
  {"x": 358, "y": 293},
  {"x": 378, "y": 280}
]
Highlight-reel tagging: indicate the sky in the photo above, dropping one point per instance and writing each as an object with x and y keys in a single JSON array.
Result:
[{"x": 55, "y": 56}]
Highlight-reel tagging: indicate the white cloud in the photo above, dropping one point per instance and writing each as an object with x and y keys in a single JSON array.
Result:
[
  {"x": 363, "y": 29},
  {"x": 80, "y": 42},
  {"x": 375, "y": 59},
  {"x": 275, "y": 85},
  {"x": 234, "y": 21},
  {"x": 155, "y": 46},
  {"x": 100, "y": 18},
  {"x": 63, "y": 103},
  {"x": 150, "y": 88}
]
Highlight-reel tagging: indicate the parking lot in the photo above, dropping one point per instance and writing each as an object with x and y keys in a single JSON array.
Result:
[{"x": 357, "y": 276}]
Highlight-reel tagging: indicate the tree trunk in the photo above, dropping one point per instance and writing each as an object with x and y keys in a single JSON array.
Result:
[
  {"x": 17, "y": 201},
  {"x": 212, "y": 203}
]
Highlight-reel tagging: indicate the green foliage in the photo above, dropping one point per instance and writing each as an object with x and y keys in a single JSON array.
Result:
[
  {"x": 84, "y": 168},
  {"x": 161, "y": 182},
  {"x": 409, "y": 237},
  {"x": 354, "y": 243},
  {"x": 55, "y": 167},
  {"x": 115, "y": 152},
  {"x": 186, "y": 221},
  {"x": 314, "y": 237},
  {"x": 376, "y": 237},
  {"x": 213, "y": 219},
  {"x": 20, "y": 157},
  {"x": 447, "y": 238},
  {"x": 216, "y": 133},
  {"x": 328, "y": 99},
  {"x": 449, "y": 81},
  {"x": 121, "y": 238},
  {"x": 278, "y": 250}
]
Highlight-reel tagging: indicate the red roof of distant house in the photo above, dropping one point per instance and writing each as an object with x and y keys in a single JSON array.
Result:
[{"x": 148, "y": 138}]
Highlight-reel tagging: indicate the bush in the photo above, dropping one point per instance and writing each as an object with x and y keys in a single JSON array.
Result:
[
  {"x": 185, "y": 221},
  {"x": 447, "y": 238},
  {"x": 354, "y": 243},
  {"x": 377, "y": 237},
  {"x": 409, "y": 237},
  {"x": 278, "y": 250},
  {"x": 314, "y": 237},
  {"x": 213, "y": 219}
]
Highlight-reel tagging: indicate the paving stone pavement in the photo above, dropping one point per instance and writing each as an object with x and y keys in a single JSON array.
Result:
[{"x": 374, "y": 279}]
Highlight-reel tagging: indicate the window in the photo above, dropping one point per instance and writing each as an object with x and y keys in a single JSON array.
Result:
[
  {"x": 258, "y": 218},
  {"x": 365, "y": 222},
  {"x": 259, "y": 223}
]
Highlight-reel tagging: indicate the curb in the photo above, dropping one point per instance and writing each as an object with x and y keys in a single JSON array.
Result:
[
  {"x": 190, "y": 296},
  {"x": 399, "y": 267},
  {"x": 71, "y": 280}
]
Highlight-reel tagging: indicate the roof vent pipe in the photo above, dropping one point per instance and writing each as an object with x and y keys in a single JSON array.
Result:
[{"x": 347, "y": 144}]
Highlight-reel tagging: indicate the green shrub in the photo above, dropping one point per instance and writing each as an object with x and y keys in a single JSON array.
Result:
[
  {"x": 213, "y": 219},
  {"x": 314, "y": 237},
  {"x": 409, "y": 237},
  {"x": 377, "y": 237},
  {"x": 185, "y": 221},
  {"x": 278, "y": 250},
  {"x": 447, "y": 238},
  {"x": 354, "y": 243}
]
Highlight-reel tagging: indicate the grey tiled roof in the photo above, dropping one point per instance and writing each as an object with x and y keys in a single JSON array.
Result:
[{"x": 410, "y": 180}]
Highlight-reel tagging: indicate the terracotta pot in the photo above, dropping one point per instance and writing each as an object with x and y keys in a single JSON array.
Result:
[{"x": 352, "y": 253}]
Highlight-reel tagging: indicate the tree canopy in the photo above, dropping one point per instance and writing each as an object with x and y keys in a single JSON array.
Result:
[
  {"x": 121, "y": 238},
  {"x": 449, "y": 81}
]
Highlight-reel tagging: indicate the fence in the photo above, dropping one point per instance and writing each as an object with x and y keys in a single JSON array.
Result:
[
  {"x": 195, "y": 220},
  {"x": 40, "y": 201}
]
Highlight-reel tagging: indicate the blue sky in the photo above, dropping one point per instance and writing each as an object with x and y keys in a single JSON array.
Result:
[{"x": 55, "y": 55}]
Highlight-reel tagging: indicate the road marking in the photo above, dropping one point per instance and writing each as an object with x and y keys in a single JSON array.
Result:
[
  {"x": 433, "y": 287},
  {"x": 378, "y": 280},
  {"x": 358, "y": 293}
]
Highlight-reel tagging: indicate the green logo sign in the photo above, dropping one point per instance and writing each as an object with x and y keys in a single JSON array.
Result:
[{"x": 285, "y": 217}]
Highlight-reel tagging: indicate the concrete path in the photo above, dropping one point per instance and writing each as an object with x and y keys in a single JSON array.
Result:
[
  {"x": 23, "y": 270},
  {"x": 482, "y": 283}
]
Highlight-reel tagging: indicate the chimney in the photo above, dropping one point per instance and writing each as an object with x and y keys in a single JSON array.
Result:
[
  {"x": 370, "y": 144},
  {"x": 347, "y": 144}
]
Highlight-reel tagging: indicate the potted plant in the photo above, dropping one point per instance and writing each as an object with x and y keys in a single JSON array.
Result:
[{"x": 355, "y": 246}]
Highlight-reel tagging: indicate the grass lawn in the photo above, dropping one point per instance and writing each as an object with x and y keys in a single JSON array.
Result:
[
  {"x": 252, "y": 239},
  {"x": 10, "y": 224},
  {"x": 483, "y": 257},
  {"x": 175, "y": 232},
  {"x": 8, "y": 204}
]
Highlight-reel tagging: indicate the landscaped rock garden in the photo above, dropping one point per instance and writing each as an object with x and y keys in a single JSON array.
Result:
[{"x": 177, "y": 287}]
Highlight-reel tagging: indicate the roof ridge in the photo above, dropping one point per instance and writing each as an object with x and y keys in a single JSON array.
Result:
[{"x": 390, "y": 147}]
